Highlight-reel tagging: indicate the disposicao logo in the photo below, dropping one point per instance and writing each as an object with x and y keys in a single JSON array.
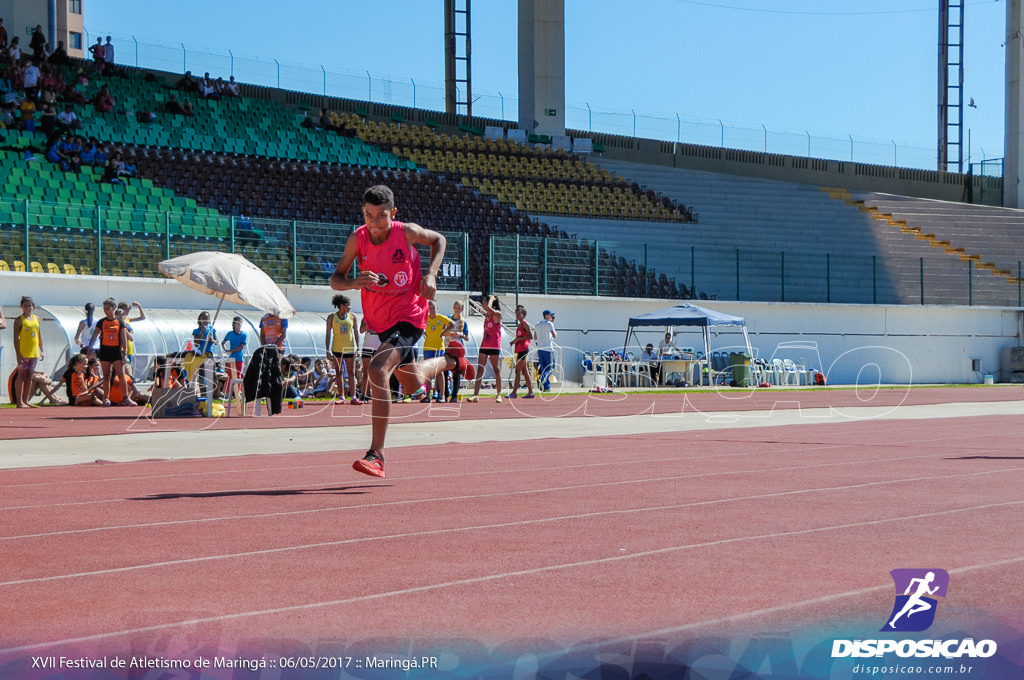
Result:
[{"x": 914, "y": 609}]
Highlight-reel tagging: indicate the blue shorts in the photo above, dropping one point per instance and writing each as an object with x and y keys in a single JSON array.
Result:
[{"x": 431, "y": 353}]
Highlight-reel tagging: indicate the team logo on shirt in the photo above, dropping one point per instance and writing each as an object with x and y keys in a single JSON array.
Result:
[
  {"x": 401, "y": 278},
  {"x": 399, "y": 255}
]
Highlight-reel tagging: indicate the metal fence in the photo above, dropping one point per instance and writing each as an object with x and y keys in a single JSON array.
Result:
[
  {"x": 119, "y": 241},
  {"x": 379, "y": 89},
  {"x": 524, "y": 265}
]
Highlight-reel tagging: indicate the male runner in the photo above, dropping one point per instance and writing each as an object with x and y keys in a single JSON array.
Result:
[{"x": 394, "y": 297}]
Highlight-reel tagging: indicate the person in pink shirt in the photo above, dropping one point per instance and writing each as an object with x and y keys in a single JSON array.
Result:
[
  {"x": 394, "y": 297},
  {"x": 521, "y": 345},
  {"x": 490, "y": 347}
]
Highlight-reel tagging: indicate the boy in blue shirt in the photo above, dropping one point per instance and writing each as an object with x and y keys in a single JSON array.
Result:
[{"x": 234, "y": 344}]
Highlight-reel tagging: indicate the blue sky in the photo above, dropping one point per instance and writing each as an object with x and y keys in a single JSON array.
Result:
[{"x": 843, "y": 79}]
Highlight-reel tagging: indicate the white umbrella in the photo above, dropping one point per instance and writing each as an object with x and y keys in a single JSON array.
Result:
[{"x": 230, "y": 277}]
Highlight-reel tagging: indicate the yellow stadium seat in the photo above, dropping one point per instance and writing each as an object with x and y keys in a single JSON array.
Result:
[
  {"x": 19, "y": 266},
  {"x": 37, "y": 268},
  {"x": 4, "y": 266},
  {"x": 70, "y": 269},
  {"x": 51, "y": 268}
]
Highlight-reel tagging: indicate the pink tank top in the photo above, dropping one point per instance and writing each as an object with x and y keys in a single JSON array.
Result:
[
  {"x": 492, "y": 334},
  {"x": 398, "y": 300},
  {"x": 523, "y": 337}
]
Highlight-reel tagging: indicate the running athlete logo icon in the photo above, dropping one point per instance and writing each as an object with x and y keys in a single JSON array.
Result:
[{"x": 914, "y": 609}]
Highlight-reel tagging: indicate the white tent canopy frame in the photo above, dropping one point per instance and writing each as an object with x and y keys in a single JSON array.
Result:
[{"x": 689, "y": 315}]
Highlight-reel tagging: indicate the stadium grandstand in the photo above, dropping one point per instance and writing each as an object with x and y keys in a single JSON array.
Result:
[{"x": 729, "y": 236}]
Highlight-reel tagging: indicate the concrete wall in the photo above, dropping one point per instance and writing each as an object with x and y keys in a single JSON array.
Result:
[{"x": 867, "y": 343}]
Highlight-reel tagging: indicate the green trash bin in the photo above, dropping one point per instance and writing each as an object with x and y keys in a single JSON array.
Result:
[{"x": 740, "y": 368}]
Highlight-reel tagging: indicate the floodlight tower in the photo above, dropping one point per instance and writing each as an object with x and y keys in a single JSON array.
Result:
[
  {"x": 458, "y": 95},
  {"x": 951, "y": 85}
]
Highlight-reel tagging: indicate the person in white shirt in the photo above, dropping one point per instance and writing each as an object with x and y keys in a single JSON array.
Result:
[
  {"x": 667, "y": 346},
  {"x": 68, "y": 119},
  {"x": 230, "y": 88},
  {"x": 32, "y": 75},
  {"x": 545, "y": 334}
]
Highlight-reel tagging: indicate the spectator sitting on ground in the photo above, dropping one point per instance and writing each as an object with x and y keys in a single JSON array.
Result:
[
  {"x": 41, "y": 383},
  {"x": 290, "y": 368},
  {"x": 117, "y": 394},
  {"x": 176, "y": 108},
  {"x": 103, "y": 101},
  {"x": 85, "y": 389}
]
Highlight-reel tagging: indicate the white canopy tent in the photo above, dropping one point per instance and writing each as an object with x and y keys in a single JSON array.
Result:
[{"x": 689, "y": 315}]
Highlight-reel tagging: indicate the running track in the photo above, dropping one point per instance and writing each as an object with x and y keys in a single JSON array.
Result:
[{"x": 581, "y": 520}]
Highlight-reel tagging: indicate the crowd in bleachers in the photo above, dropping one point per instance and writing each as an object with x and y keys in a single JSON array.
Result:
[
  {"x": 200, "y": 159},
  {"x": 34, "y": 86}
]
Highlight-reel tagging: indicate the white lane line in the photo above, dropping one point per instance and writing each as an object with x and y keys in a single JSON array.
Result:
[
  {"x": 604, "y": 513},
  {"x": 528, "y": 572},
  {"x": 443, "y": 499},
  {"x": 767, "y": 611},
  {"x": 805, "y": 448}
]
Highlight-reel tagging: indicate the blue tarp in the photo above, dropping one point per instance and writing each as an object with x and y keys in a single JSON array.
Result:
[{"x": 687, "y": 315}]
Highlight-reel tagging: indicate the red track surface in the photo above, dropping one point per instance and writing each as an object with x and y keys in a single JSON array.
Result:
[{"x": 662, "y": 536}]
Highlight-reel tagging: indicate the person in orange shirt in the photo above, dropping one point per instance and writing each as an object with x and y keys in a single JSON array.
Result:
[
  {"x": 273, "y": 330},
  {"x": 113, "y": 333},
  {"x": 117, "y": 394},
  {"x": 81, "y": 392}
]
